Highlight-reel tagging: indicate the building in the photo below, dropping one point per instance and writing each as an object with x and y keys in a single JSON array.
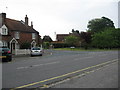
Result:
[
  {"x": 15, "y": 33},
  {"x": 61, "y": 37}
]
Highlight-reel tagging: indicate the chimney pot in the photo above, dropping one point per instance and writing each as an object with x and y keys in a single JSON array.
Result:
[
  {"x": 31, "y": 24},
  {"x": 26, "y": 20}
]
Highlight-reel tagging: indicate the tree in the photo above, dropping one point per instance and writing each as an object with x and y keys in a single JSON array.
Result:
[
  {"x": 47, "y": 39},
  {"x": 85, "y": 39},
  {"x": 106, "y": 39},
  {"x": 72, "y": 40},
  {"x": 46, "y": 45},
  {"x": 100, "y": 24}
]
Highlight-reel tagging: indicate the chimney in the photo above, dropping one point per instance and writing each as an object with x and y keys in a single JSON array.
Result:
[
  {"x": 31, "y": 24},
  {"x": 26, "y": 20},
  {"x": 2, "y": 18}
]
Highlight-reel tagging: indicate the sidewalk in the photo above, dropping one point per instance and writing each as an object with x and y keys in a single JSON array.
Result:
[
  {"x": 22, "y": 55},
  {"x": 105, "y": 77}
]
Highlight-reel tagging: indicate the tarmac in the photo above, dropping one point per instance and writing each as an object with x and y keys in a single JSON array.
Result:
[{"x": 104, "y": 77}]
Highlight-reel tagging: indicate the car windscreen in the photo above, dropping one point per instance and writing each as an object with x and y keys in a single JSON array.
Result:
[
  {"x": 3, "y": 50},
  {"x": 35, "y": 48}
]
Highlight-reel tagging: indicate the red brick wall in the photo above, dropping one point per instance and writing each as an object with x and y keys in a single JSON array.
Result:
[{"x": 24, "y": 36}]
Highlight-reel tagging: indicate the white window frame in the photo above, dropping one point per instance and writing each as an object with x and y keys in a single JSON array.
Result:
[
  {"x": 17, "y": 35},
  {"x": 33, "y": 36},
  {"x": 3, "y": 43},
  {"x": 4, "y": 31}
]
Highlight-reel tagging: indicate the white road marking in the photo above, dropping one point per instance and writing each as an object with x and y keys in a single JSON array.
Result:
[{"x": 37, "y": 65}]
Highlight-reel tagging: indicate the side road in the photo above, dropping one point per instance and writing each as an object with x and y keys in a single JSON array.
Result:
[{"x": 105, "y": 77}]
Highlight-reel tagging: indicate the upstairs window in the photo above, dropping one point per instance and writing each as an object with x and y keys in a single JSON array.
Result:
[
  {"x": 17, "y": 35},
  {"x": 33, "y": 36},
  {"x": 4, "y": 31}
]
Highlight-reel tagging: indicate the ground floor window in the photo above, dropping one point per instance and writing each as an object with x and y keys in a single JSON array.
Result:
[{"x": 3, "y": 44}]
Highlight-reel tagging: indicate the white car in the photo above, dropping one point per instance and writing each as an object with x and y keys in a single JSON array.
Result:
[{"x": 35, "y": 51}]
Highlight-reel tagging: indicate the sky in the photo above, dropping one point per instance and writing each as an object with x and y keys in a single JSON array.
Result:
[{"x": 52, "y": 17}]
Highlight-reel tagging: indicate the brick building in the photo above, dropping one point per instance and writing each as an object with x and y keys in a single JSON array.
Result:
[
  {"x": 15, "y": 33},
  {"x": 61, "y": 37}
]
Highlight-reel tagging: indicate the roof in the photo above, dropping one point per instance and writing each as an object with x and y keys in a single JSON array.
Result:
[
  {"x": 15, "y": 25},
  {"x": 61, "y": 37}
]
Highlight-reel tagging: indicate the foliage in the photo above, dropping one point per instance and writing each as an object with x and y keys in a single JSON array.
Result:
[
  {"x": 85, "y": 39},
  {"x": 72, "y": 40},
  {"x": 25, "y": 45},
  {"x": 46, "y": 45},
  {"x": 60, "y": 45},
  {"x": 47, "y": 39},
  {"x": 100, "y": 24},
  {"x": 106, "y": 39}
]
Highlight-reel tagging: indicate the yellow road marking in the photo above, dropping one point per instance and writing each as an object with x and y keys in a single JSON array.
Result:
[{"x": 31, "y": 84}]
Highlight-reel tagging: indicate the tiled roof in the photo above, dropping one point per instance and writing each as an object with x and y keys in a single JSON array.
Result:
[
  {"x": 15, "y": 25},
  {"x": 61, "y": 37}
]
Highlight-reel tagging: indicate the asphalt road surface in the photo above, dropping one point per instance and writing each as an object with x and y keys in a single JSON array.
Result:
[{"x": 32, "y": 72}]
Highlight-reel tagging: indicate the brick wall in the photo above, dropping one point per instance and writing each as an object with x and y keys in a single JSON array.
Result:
[{"x": 25, "y": 37}]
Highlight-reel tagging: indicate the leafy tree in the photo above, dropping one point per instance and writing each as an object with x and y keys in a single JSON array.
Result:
[
  {"x": 46, "y": 45},
  {"x": 100, "y": 24},
  {"x": 85, "y": 39},
  {"x": 47, "y": 39},
  {"x": 106, "y": 39},
  {"x": 72, "y": 40}
]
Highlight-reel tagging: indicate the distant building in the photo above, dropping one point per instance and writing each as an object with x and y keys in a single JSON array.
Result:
[
  {"x": 15, "y": 33},
  {"x": 61, "y": 37}
]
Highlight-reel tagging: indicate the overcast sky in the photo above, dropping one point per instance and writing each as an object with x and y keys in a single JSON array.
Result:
[{"x": 60, "y": 16}]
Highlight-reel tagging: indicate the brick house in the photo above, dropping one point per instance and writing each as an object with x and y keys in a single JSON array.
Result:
[
  {"x": 61, "y": 37},
  {"x": 14, "y": 33}
]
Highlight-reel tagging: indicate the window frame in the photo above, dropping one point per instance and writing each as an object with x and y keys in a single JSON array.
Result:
[
  {"x": 4, "y": 31},
  {"x": 17, "y": 35},
  {"x": 33, "y": 35}
]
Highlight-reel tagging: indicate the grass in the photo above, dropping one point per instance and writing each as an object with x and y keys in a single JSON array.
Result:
[{"x": 82, "y": 49}]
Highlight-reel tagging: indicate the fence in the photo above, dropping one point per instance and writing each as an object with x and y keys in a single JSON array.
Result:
[{"x": 22, "y": 51}]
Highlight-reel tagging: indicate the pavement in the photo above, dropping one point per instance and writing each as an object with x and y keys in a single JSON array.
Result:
[{"x": 105, "y": 77}]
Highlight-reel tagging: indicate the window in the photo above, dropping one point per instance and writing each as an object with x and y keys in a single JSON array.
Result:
[
  {"x": 4, "y": 31},
  {"x": 33, "y": 36},
  {"x": 3, "y": 43},
  {"x": 17, "y": 36}
]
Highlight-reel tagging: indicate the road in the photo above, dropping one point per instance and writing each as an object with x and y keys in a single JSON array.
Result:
[{"x": 31, "y": 72}]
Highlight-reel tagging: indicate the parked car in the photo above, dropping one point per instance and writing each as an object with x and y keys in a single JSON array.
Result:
[
  {"x": 35, "y": 51},
  {"x": 5, "y": 54}
]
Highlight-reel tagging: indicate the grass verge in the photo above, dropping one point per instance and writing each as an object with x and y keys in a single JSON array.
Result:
[{"x": 82, "y": 49}]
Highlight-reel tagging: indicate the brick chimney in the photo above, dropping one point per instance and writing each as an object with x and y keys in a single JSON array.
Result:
[
  {"x": 26, "y": 20},
  {"x": 2, "y": 18}
]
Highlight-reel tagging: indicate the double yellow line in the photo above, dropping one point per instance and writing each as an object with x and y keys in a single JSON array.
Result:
[{"x": 31, "y": 84}]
